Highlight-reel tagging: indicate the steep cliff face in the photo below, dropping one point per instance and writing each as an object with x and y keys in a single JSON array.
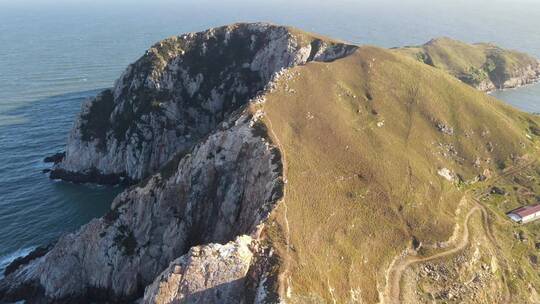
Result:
[
  {"x": 236, "y": 272},
  {"x": 519, "y": 77},
  {"x": 176, "y": 94},
  {"x": 225, "y": 187},
  {"x": 223, "y": 281},
  {"x": 375, "y": 150},
  {"x": 484, "y": 66}
]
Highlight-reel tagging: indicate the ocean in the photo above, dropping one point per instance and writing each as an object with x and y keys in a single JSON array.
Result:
[{"x": 55, "y": 54}]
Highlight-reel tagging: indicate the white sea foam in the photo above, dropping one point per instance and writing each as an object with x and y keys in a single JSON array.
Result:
[{"x": 5, "y": 260}]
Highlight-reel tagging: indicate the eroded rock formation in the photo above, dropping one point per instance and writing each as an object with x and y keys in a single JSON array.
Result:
[
  {"x": 176, "y": 94},
  {"x": 225, "y": 187},
  {"x": 177, "y": 121},
  {"x": 223, "y": 280},
  {"x": 184, "y": 122}
]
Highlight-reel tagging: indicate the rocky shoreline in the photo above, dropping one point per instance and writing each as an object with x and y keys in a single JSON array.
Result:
[
  {"x": 528, "y": 76},
  {"x": 177, "y": 93},
  {"x": 91, "y": 176},
  {"x": 185, "y": 126},
  {"x": 210, "y": 176},
  {"x": 202, "y": 200}
]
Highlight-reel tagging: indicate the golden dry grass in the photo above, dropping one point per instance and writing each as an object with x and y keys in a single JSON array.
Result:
[
  {"x": 469, "y": 62},
  {"x": 362, "y": 148}
]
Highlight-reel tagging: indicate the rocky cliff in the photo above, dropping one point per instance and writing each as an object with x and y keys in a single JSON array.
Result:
[
  {"x": 276, "y": 166},
  {"x": 223, "y": 188},
  {"x": 178, "y": 120},
  {"x": 236, "y": 272},
  {"x": 176, "y": 94},
  {"x": 227, "y": 267}
]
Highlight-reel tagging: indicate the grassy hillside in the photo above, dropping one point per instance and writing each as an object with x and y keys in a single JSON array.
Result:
[
  {"x": 364, "y": 139},
  {"x": 474, "y": 64}
]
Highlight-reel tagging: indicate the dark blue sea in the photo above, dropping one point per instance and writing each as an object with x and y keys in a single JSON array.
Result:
[{"x": 54, "y": 54}]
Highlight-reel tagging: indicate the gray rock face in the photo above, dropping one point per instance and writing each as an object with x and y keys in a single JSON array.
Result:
[
  {"x": 517, "y": 78},
  {"x": 176, "y": 94},
  {"x": 521, "y": 77},
  {"x": 177, "y": 121},
  {"x": 225, "y": 187},
  {"x": 237, "y": 272},
  {"x": 222, "y": 281}
]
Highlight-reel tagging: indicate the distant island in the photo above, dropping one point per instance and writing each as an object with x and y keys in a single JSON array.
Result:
[
  {"x": 484, "y": 66},
  {"x": 266, "y": 164}
]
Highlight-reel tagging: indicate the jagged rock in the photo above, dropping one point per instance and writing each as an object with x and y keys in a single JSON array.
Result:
[
  {"x": 55, "y": 158},
  {"x": 489, "y": 146},
  {"x": 224, "y": 187},
  {"x": 444, "y": 128},
  {"x": 477, "y": 162},
  {"x": 211, "y": 273},
  {"x": 520, "y": 236},
  {"x": 21, "y": 261},
  {"x": 90, "y": 176},
  {"x": 520, "y": 77},
  {"x": 447, "y": 174},
  {"x": 177, "y": 93}
]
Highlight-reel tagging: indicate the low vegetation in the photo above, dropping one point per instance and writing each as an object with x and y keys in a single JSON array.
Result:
[
  {"x": 125, "y": 240},
  {"x": 363, "y": 147},
  {"x": 474, "y": 64},
  {"x": 378, "y": 150},
  {"x": 97, "y": 121}
]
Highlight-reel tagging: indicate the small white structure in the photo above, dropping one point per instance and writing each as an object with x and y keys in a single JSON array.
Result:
[{"x": 525, "y": 214}]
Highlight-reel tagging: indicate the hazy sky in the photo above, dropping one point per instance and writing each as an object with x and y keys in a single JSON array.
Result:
[
  {"x": 415, "y": 19},
  {"x": 30, "y": 4}
]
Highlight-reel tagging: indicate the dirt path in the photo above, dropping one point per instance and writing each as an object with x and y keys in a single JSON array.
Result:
[
  {"x": 392, "y": 292},
  {"x": 284, "y": 285},
  {"x": 500, "y": 257}
]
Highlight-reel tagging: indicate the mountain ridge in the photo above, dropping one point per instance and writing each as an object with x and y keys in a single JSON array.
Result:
[
  {"x": 176, "y": 94},
  {"x": 304, "y": 192}
]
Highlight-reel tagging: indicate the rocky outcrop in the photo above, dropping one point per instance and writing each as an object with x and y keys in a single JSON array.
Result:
[
  {"x": 237, "y": 272},
  {"x": 176, "y": 94},
  {"x": 223, "y": 188},
  {"x": 523, "y": 76},
  {"x": 178, "y": 121},
  {"x": 222, "y": 281},
  {"x": 513, "y": 78},
  {"x": 55, "y": 158},
  {"x": 500, "y": 76}
]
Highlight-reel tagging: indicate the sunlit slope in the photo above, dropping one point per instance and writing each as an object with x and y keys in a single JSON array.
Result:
[
  {"x": 481, "y": 65},
  {"x": 363, "y": 140}
]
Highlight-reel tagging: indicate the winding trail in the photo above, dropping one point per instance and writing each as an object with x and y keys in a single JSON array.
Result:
[
  {"x": 392, "y": 291},
  {"x": 500, "y": 257}
]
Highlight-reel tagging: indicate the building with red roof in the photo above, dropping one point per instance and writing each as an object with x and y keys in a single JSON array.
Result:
[{"x": 525, "y": 214}]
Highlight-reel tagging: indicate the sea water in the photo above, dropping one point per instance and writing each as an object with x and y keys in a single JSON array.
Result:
[{"x": 54, "y": 54}]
